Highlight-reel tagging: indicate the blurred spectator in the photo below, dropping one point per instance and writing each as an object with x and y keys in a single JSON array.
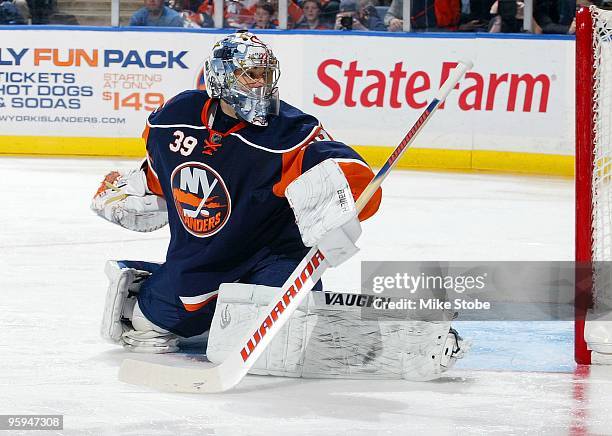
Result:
[
  {"x": 294, "y": 12},
  {"x": 264, "y": 12},
  {"x": 182, "y": 5},
  {"x": 358, "y": 15},
  {"x": 24, "y": 10},
  {"x": 40, "y": 10},
  {"x": 58, "y": 17},
  {"x": 9, "y": 14},
  {"x": 508, "y": 16},
  {"x": 190, "y": 11},
  {"x": 154, "y": 13},
  {"x": 556, "y": 16},
  {"x": 329, "y": 10},
  {"x": 475, "y": 15},
  {"x": 312, "y": 16},
  {"x": 236, "y": 14},
  {"x": 425, "y": 15},
  {"x": 241, "y": 13},
  {"x": 196, "y": 20}
]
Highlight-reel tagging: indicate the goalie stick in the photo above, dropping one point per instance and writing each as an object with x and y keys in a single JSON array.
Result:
[{"x": 229, "y": 372}]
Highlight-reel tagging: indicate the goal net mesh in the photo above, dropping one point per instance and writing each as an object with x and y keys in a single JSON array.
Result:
[{"x": 602, "y": 158}]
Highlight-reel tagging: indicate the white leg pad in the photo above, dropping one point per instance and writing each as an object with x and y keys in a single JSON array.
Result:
[
  {"x": 598, "y": 333},
  {"x": 123, "y": 287},
  {"x": 237, "y": 312},
  {"x": 325, "y": 341},
  {"x": 123, "y": 322}
]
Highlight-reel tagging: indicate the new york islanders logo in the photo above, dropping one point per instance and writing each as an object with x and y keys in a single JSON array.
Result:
[{"x": 201, "y": 198}]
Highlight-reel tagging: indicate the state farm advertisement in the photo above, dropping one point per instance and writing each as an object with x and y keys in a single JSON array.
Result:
[
  {"x": 366, "y": 90},
  {"x": 518, "y": 97}
]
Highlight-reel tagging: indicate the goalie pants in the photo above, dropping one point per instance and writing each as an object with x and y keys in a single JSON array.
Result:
[{"x": 163, "y": 306}]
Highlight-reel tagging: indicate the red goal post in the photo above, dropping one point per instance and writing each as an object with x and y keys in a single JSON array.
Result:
[{"x": 593, "y": 182}]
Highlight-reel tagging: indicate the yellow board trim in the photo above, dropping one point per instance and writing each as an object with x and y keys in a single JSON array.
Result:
[
  {"x": 532, "y": 163},
  {"x": 72, "y": 146},
  {"x": 471, "y": 160},
  {"x": 415, "y": 158}
]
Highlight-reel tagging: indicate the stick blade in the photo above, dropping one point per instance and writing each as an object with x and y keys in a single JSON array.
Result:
[{"x": 172, "y": 378}]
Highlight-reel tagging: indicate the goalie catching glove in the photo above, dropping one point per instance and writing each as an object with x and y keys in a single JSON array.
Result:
[
  {"x": 124, "y": 199},
  {"x": 325, "y": 211}
]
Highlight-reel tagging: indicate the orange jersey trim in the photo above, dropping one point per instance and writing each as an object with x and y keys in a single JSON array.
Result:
[
  {"x": 292, "y": 165},
  {"x": 204, "y": 113},
  {"x": 152, "y": 180},
  {"x": 211, "y": 146},
  {"x": 292, "y": 169},
  {"x": 145, "y": 134},
  {"x": 194, "y": 307}
]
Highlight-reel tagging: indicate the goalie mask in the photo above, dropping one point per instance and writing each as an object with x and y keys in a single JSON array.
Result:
[{"x": 243, "y": 72}]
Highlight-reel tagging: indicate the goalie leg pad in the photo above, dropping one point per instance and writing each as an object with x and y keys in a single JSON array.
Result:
[
  {"x": 344, "y": 344},
  {"x": 124, "y": 284},
  {"x": 325, "y": 341},
  {"x": 238, "y": 308},
  {"x": 123, "y": 322}
]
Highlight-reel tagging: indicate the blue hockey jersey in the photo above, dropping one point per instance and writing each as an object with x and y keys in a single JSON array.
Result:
[{"x": 224, "y": 183}]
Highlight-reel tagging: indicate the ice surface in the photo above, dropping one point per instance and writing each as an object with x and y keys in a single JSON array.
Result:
[{"x": 519, "y": 378}]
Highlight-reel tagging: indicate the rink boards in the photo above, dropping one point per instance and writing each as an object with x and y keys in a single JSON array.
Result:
[{"x": 87, "y": 91}]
